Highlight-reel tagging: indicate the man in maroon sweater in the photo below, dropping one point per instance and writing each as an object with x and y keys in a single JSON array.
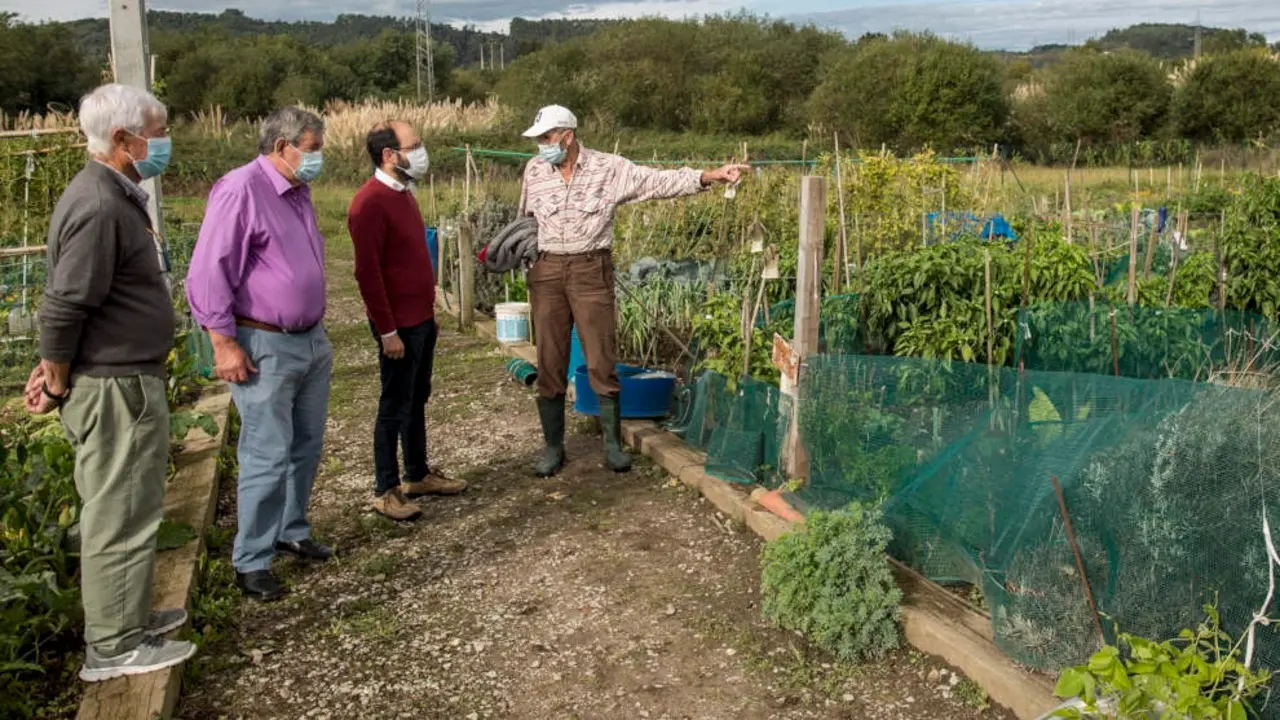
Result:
[{"x": 393, "y": 269}]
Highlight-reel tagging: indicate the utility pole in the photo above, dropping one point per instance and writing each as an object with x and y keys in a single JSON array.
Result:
[
  {"x": 425, "y": 61},
  {"x": 1199, "y": 36},
  {"x": 131, "y": 62}
]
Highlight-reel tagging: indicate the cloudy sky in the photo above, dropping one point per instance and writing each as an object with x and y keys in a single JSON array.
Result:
[{"x": 1012, "y": 24}]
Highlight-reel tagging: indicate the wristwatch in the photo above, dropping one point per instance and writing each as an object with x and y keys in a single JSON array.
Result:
[{"x": 57, "y": 399}]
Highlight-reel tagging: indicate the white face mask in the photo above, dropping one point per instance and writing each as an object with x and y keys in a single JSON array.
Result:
[{"x": 419, "y": 161}]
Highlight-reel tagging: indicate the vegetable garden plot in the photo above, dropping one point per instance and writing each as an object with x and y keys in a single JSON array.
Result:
[{"x": 1166, "y": 482}]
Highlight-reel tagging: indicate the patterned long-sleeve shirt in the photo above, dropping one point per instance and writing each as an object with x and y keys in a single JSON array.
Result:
[{"x": 577, "y": 217}]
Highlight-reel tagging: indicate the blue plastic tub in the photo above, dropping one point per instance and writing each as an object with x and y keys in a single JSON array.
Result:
[
  {"x": 433, "y": 249},
  {"x": 576, "y": 358},
  {"x": 645, "y": 393}
]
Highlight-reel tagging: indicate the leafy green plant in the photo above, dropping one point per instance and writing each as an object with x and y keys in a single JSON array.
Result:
[
  {"x": 831, "y": 581},
  {"x": 1198, "y": 675},
  {"x": 973, "y": 695},
  {"x": 39, "y": 596},
  {"x": 718, "y": 333},
  {"x": 1249, "y": 248},
  {"x": 173, "y": 535},
  {"x": 39, "y": 568}
]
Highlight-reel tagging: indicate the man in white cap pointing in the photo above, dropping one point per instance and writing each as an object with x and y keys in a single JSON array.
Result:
[{"x": 574, "y": 192}]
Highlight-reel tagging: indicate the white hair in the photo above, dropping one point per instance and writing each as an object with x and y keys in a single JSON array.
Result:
[{"x": 117, "y": 107}]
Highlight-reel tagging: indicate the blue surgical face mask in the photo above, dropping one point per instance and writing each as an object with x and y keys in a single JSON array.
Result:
[
  {"x": 159, "y": 150},
  {"x": 309, "y": 169},
  {"x": 552, "y": 153}
]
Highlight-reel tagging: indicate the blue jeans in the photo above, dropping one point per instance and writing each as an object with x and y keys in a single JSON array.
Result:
[{"x": 282, "y": 408}]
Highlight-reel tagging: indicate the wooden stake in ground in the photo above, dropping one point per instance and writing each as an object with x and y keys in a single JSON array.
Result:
[
  {"x": 1075, "y": 550},
  {"x": 1133, "y": 258},
  {"x": 1026, "y": 270},
  {"x": 435, "y": 214},
  {"x": 1181, "y": 225},
  {"x": 813, "y": 210},
  {"x": 1151, "y": 250},
  {"x": 1075, "y": 157},
  {"x": 990, "y": 316},
  {"x": 1222, "y": 267},
  {"x": 750, "y": 325},
  {"x": 1115, "y": 344},
  {"x": 842, "y": 254},
  {"x": 466, "y": 199},
  {"x": 466, "y": 274}
]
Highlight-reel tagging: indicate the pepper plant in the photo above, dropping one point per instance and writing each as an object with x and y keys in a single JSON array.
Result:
[{"x": 1200, "y": 675}]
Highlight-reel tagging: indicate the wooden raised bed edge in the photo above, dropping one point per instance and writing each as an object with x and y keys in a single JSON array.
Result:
[{"x": 191, "y": 497}]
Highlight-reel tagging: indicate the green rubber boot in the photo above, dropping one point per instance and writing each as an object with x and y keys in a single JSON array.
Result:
[
  {"x": 611, "y": 424},
  {"x": 551, "y": 412}
]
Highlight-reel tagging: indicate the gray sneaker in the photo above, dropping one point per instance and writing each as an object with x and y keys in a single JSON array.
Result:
[
  {"x": 153, "y": 653},
  {"x": 163, "y": 621}
]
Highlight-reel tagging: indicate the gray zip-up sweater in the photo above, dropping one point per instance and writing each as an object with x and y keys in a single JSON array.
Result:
[{"x": 106, "y": 307}]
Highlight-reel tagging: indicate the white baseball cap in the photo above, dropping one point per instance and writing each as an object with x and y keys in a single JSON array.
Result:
[{"x": 549, "y": 118}]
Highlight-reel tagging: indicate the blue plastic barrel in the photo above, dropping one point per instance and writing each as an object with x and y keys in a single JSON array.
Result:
[
  {"x": 645, "y": 393},
  {"x": 576, "y": 358},
  {"x": 433, "y": 249}
]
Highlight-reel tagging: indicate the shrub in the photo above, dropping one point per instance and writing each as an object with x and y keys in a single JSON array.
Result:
[
  {"x": 832, "y": 582},
  {"x": 1198, "y": 675}
]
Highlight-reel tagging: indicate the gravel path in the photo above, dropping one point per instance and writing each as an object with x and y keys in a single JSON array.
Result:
[{"x": 591, "y": 595}]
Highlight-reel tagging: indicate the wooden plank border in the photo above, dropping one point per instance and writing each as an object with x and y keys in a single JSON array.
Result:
[{"x": 191, "y": 497}]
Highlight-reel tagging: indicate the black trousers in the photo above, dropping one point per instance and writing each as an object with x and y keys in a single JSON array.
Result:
[{"x": 402, "y": 408}]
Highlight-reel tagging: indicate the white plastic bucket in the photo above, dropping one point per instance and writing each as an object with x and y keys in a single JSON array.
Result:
[{"x": 513, "y": 322}]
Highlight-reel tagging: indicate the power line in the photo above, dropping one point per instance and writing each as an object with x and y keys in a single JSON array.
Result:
[{"x": 424, "y": 61}]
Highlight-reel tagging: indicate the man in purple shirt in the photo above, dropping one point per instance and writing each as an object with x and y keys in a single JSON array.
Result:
[{"x": 256, "y": 283}]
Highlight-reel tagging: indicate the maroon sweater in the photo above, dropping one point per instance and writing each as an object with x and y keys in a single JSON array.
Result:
[{"x": 393, "y": 266}]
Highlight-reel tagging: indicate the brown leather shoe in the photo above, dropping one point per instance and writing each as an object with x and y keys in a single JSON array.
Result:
[
  {"x": 394, "y": 505},
  {"x": 434, "y": 484}
]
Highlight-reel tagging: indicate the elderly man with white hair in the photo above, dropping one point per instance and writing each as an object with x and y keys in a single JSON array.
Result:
[
  {"x": 106, "y": 328},
  {"x": 574, "y": 193}
]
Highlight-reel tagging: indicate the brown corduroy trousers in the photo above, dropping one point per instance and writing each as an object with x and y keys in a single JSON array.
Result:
[{"x": 574, "y": 289}]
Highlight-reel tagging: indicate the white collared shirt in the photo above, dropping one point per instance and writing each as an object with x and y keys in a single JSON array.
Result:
[{"x": 390, "y": 181}]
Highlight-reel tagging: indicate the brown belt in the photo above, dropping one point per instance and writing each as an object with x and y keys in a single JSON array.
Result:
[
  {"x": 246, "y": 322},
  {"x": 603, "y": 252}
]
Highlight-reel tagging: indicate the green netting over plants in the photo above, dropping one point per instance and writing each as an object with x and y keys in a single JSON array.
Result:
[
  {"x": 1145, "y": 342},
  {"x": 740, "y": 426},
  {"x": 1165, "y": 482}
]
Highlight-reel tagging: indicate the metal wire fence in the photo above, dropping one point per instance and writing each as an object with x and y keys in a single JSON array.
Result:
[{"x": 23, "y": 273}]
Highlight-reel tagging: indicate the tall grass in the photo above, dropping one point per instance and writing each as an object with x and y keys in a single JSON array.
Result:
[
  {"x": 347, "y": 124},
  {"x": 29, "y": 121}
]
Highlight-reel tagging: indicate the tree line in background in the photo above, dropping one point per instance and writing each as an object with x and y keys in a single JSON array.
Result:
[
  {"x": 1141, "y": 87},
  {"x": 907, "y": 91},
  {"x": 248, "y": 65}
]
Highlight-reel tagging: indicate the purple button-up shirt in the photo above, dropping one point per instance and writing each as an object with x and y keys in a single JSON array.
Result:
[{"x": 260, "y": 254}]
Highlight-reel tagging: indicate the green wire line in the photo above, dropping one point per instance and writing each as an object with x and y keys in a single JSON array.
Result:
[{"x": 526, "y": 156}]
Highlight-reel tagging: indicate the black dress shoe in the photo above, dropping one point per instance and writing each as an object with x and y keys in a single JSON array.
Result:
[
  {"x": 305, "y": 550},
  {"x": 260, "y": 585}
]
